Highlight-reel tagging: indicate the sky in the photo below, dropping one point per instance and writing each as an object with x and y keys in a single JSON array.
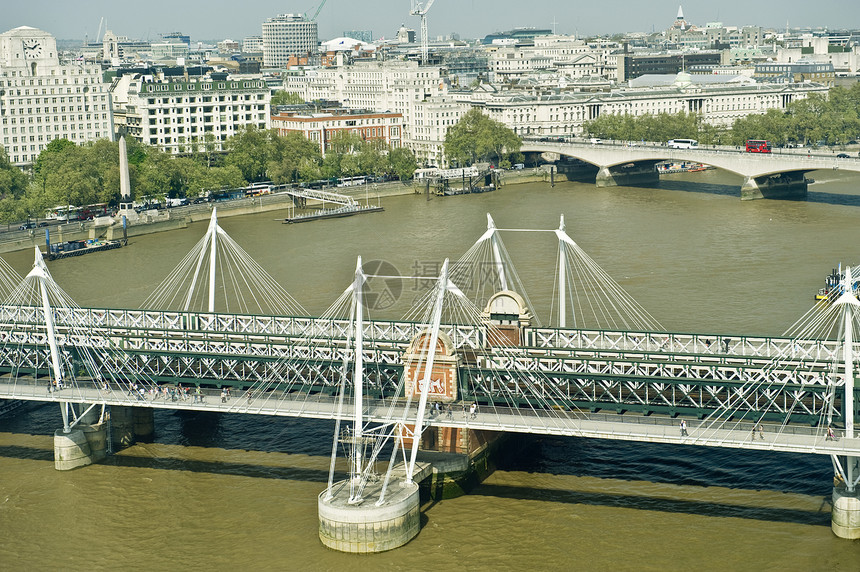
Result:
[{"x": 207, "y": 20}]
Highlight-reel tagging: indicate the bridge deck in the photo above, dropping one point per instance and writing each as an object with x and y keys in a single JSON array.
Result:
[{"x": 654, "y": 429}]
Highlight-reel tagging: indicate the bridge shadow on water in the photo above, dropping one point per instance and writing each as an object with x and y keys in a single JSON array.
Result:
[
  {"x": 638, "y": 502},
  {"x": 812, "y": 196},
  {"x": 669, "y": 464},
  {"x": 617, "y": 460}
]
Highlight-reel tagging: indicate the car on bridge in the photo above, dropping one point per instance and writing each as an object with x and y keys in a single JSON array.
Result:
[{"x": 843, "y": 156}]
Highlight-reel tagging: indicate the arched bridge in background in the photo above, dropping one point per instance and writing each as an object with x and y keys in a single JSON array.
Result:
[{"x": 766, "y": 175}]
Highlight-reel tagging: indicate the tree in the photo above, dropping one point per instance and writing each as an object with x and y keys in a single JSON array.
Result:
[
  {"x": 401, "y": 162},
  {"x": 282, "y": 97},
  {"x": 251, "y": 150},
  {"x": 651, "y": 127},
  {"x": 291, "y": 156},
  {"x": 477, "y": 137}
]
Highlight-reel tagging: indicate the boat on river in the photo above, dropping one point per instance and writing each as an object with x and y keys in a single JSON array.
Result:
[
  {"x": 833, "y": 285},
  {"x": 80, "y": 247}
]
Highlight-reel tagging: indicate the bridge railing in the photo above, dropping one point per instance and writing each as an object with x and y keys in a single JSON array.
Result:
[{"x": 325, "y": 406}]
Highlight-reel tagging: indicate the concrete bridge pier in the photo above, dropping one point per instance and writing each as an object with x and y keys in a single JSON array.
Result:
[
  {"x": 84, "y": 444},
  {"x": 628, "y": 175},
  {"x": 845, "y": 514},
  {"x": 129, "y": 425},
  {"x": 369, "y": 526},
  {"x": 788, "y": 185},
  {"x": 144, "y": 424}
]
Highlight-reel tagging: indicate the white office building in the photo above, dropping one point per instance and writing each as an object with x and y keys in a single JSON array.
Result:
[
  {"x": 285, "y": 36},
  {"x": 396, "y": 86},
  {"x": 178, "y": 116},
  {"x": 42, "y": 99}
]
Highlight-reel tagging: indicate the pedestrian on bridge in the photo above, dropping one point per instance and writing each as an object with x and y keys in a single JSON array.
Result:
[
  {"x": 473, "y": 410},
  {"x": 223, "y": 395},
  {"x": 830, "y": 435},
  {"x": 684, "y": 428}
]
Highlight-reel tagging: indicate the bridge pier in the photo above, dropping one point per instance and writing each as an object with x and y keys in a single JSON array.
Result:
[
  {"x": 789, "y": 185},
  {"x": 83, "y": 445},
  {"x": 373, "y": 525},
  {"x": 628, "y": 175},
  {"x": 129, "y": 425},
  {"x": 461, "y": 458},
  {"x": 845, "y": 514}
]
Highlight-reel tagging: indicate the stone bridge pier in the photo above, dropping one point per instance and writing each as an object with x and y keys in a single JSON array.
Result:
[
  {"x": 786, "y": 185},
  {"x": 628, "y": 174}
]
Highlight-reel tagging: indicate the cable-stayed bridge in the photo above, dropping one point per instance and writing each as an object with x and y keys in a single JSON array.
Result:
[{"x": 462, "y": 359}]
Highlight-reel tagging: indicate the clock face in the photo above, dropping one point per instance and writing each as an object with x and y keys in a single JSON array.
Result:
[{"x": 32, "y": 49}]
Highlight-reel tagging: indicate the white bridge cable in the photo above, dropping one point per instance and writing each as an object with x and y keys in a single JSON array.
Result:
[
  {"x": 244, "y": 286},
  {"x": 81, "y": 356},
  {"x": 9, "y": 279},
  {"x": 821, "y": 322}
]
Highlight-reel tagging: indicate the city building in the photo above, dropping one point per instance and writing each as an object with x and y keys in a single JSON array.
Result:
[
  {"x": 252, "y": 45},
  {"x": 42, "y": 99},
  {"x": 177, "y": 38},
  {"x": 385, "y": 128},
  {"x": 175, "y": 114},
  {"x": 796, "y": 72},
  {"x": 392, "y": 86},
  {"x": 365, "y": 36},
  {"x": 119, "y": 48},
  {"x": 285, "y": 36},
  {"x": 515, "y": 35},
  {"x": 168, "y": 51},
  {"x": 719, "y": 100},
  {"x": 570, "y": 57},
  {"x": 844, "y": 55},
  {"x": 632, "y": 65},
  {"x": 433, "y": 117},
  {"x": 228, "y": 46}
]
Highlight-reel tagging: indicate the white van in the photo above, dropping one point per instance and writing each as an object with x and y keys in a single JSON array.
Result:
[{"x": 683, "y": 144}]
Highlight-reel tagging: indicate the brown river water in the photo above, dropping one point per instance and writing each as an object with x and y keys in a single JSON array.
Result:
[{"x": 239, "y": 492}]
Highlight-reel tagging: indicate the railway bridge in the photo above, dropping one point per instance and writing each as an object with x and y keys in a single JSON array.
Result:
[{"x": 451, "y": 376}]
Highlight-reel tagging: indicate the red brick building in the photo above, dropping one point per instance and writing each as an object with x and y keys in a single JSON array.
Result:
[{"x": 321, "y": 127}]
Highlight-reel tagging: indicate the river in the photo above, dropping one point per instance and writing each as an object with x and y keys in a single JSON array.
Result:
[{"x": 227, "y": 492}]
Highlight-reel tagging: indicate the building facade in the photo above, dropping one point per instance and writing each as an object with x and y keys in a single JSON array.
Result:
[
  {"x": 390, "y": 86},
  {"x": 796, "y": 72},
  {"x": 320, "y": 128},
  {"x": 718, "y": 104},
  {"x": 182, "y": 114},
  {"x": 42, "y": 99},
  {"x": 287, "y": 35}
]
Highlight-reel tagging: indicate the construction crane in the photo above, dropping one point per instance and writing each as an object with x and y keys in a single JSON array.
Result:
[
  {"x": 421, "y": 10},
  {"x": 317, "y": 13}
]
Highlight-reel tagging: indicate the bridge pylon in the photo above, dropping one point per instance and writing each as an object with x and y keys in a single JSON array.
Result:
[
  {"x": 364, "y": 513},
  {"x": 845, "y": 519},
  {"x": 81, "y": 441}
]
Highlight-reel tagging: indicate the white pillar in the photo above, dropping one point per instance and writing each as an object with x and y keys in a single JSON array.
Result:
[
  {"x": 40, "y": 273},
  {"x": 358, "y": 379},
  {"x": 212, "y": 252},
  {"x": 497, "y": 256},
  {"x": 210, "y": 236},
  {"x": 428, "y": 370},
  {"x": 850, "y": 304},
  {"x": 562, "y": 279}
]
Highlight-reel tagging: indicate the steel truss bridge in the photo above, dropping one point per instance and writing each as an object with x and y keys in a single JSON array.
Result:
[{"x": 293, "y": 365}]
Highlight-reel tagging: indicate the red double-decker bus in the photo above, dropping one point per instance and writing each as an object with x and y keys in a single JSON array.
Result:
[{"x": 758, "y": 146}]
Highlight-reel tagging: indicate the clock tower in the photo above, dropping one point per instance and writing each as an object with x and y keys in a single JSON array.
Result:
[
  {"x": 30, "y": 48},
  {"x": 42, "y": 99}
]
